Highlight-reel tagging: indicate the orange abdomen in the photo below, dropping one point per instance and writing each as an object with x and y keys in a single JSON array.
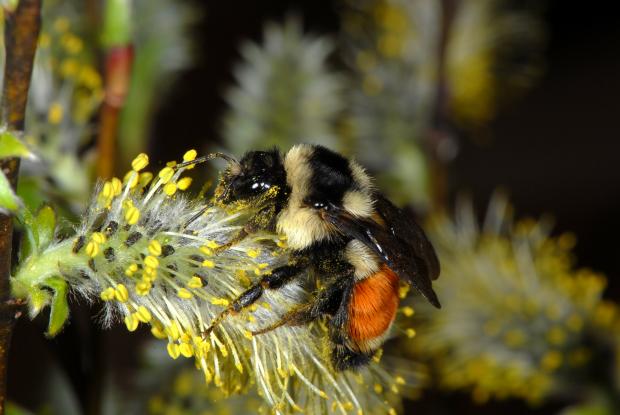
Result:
[{"x": 373, "y": 306}]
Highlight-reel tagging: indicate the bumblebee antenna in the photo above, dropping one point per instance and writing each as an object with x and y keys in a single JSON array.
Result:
[{"x": 230, "y": 159}]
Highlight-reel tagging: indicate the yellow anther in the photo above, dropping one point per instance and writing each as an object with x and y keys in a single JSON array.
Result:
[
  {"x": 98, "y": 237},
  {"x": 220, "y": 301},
  {"x": 186, "y": 350},
  {"x": 173, "y": 330},
  {"x": 410, "y": 333},
  {"x": 107, "y": 190},
  {"x": 143, "y": 287},
  {"x": 55, "y": 113},
  {"x": 551, "y": 360},
  {"x": 145, "y": 178},
  {"x": 117, "y": 186},
  {"x": 131, "y": 269},
  {"x": 184, "y": 293},
  {"x": 184, "y": 183},
  {"x": 190, "y": 155},
  {"x": 208, "y": 263},
  {"x": 131, "y": 179},
  {"x": 107, "y": 294},
  {"x": 140, "y": 162},
  {"x": 155, "y": 248},
  {"x": 120, "y": 293},
  {"x": 170, "y": 188},
  {"x": 194, "y": 282},
  {"x": 173, "y": 350},
  {"x": 151, "y": 262},
  {"x": 253, "y": 253},
  {"x": 378, "y": 388},
  {"x": 131, "y": 322},
  {"x": 263, "y": 265},
  {"x": 44, "y": 40},
  {"x": 408, "y": 311},
  {"x": 206, "y": 250},
  {"x": 132, "y": 215},
  {"x": 402, "y": 291},
  {"x": 143, "y": 314},
  {"x": 166, "y": 174},
  {"x": 158, "y": 333},
  {"x": 171, "y": 163},
  {"x": 282, "y": 244},
  {"x": 399, "y": 380},
  {"x": 213, "y": 244},
  {"x": 92, "y": 249}
]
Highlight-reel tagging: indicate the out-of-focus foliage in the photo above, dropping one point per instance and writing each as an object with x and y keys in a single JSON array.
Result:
[
  {"x": 419, "y": 72},
  {"x": 494, "y": 51},
  {"x": 392, "y": 46},
  {"x": 518, "y": 319},
  {"x": 286, "y": 93},
  {"x": 65, "y": 93},
  {"x": 162, "y": 49}
]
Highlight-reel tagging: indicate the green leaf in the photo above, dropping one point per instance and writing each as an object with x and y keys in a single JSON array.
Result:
[
  {"x": 8, "y": 199},
  {"x": 45, "y": 223},
  {"x": 30, "y": 241},
  {"x": 11, "y": 146},
  {"x": 59, "y": 313}
]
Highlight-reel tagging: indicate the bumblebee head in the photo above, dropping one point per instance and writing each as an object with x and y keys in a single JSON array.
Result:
[{"x": 254, "y": 174}]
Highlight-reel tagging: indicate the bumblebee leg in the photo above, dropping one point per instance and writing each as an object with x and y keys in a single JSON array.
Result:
[
  {"x": 275, "y": 280},
  {"x": 326, "y": 302}
]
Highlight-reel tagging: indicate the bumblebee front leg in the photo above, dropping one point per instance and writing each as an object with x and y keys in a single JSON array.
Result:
[
  {"x": 261, "y": 220},
  {"x": 275, "y": 280}
]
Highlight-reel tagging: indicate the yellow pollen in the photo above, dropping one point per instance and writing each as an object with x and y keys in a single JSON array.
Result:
[
  {"x": 120, "y": 293},
  {"x": 131, "y": 322},
  {"x": 171, "y": 163},
  {"x": 212, "y": 244},
  {"x": 408, "y": 311},
  {"x": 173, "y": 350},
  {"x": 208, "y": 263},
  {"x": 194, "y": 282},
  {"x": 206, "y": 250},
  {"x": 378, "y": 388},
  {"x": 131, "y": 179},
  {"x": 253, "y": 253},
  {"x": 151, "y": 262},
  {"x": 190, "y": 155},
  {"x": 184, "y": 293},
  {"x": 170, "y": 189},
  {"x": 143, "y": 288},
  {"x": 107, "y": 294},
  {"x": 92, "y": 249},
  {"x": 184, "y": 183},
  {"x": 55, "y": 113},
  {"x": 98, "y": 237},
  {"x": 143, "y": 314},
  {"x": 173, "y": 330},
  {"x": 155, "y": 248},
  {"x": 107, "y": 190},
  {"x": 132, "y": 215},
  {"x": 186, "y": 350},
  {"x": 158, "y": 333},
  {"x": 145, "y": 178},
  {"x": 410, "y": 333},
  {"x": 117, "y": 186},
  {"x": 166, "y": 174},
  {"x": 399, "y": 380},
  {"x": 140, "y": 162},
  {"x": 131, "y": 269},
  {"x": 220, "y": 301}
]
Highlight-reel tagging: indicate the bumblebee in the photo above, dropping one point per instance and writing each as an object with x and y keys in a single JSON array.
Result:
[{"x": 339, "y": 227}]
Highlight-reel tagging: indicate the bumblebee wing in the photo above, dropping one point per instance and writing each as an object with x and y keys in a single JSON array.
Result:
[{"x": 398, "y": 241}]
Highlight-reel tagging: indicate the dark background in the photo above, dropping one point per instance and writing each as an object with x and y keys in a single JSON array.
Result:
[{"x": 556, "y": 150}]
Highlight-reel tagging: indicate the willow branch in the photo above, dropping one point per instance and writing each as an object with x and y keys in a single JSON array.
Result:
[{"x": 21, "y": 35}]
